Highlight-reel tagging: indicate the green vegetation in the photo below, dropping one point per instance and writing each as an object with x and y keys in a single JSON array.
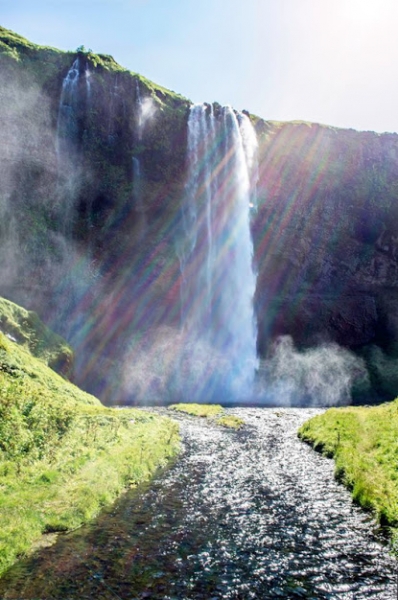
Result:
[
  {"x": 25, "y": 328},
  {"x": 63, "y": 455},
  {"x": 215, "y": 412},
  {"x": 230, "y": 421},
  {"x": 364, "y": 443},
  {"x": 198, "y": 410},
  {"x": 19, "y": 49}
]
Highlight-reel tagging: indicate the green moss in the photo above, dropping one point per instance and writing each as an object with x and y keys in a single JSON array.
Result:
[
  {"x": 214, "y": 412},
  {"x": 230, "y": 421},
  {"x": 198, "y": 410},
  {"x": 364, "y": 443},
  {"x": 62, "y": 454}
]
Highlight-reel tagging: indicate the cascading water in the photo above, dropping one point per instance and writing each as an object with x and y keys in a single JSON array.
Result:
[
  {"x": 137, "y": 181},
  {"x": 137, "y": 167},
  {"x": 215, "y": 251},
  {"x": 74, "y": 268},
  {"x": 71, "y": 101},
  {"x": 87, "y": 75},
  {"x": 137, "y": 178},
  {"x": 72, "y": 112},
  {"x": 138, "y": 101},
  {"x": 67, "y": 128}
]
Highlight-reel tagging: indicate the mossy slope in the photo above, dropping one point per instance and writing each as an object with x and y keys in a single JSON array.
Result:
[
  {"x": 62, "y": 454},
  {"x": 26, "y": 329},
  {"x": 364, "y": 443}
]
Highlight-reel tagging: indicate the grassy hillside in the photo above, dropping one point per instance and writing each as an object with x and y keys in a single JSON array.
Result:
[
  {"x": 25, "y": 328},
  {"x": 364, "y": 443},
  {"x": 62, "y": 454}
]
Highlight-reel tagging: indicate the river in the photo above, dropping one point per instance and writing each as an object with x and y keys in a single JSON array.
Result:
[{"x": 253, "y": 514}]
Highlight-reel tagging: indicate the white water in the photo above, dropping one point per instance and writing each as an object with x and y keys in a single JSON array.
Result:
[
  {"x": 137, "y": 182},
  {"x": 215, "y": 252},
  {"x": 138, "y": 101},
  {"x": 87, "y": 75},
  {"x": 67, "y": 122},
  {"x": 137, "y": 175}
]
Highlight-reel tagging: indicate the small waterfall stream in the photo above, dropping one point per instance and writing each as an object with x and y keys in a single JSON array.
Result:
[
  {"x": 73, "y": 108},
  {"x": 248, "y": 515},
  {"x": 73, "y": 97},
  {"x": 137, "y": 182},
  {"x": 76, "y": 270},
  {"x": 139, "y": 106},
  {"x": 67, "y": 129}
]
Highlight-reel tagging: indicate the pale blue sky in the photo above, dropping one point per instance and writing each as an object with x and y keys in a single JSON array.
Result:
[{"x": 328, "y": 61}]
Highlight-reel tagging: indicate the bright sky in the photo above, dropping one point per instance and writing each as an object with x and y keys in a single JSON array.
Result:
[{"x": 328, "y": 61}]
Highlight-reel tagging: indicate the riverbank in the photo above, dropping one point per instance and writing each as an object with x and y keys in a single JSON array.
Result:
[
  {"x": 63, "y": 455},
  {"x": 364, "y": 444}
]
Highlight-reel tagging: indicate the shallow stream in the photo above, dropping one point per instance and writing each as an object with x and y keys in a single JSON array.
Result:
[{"x": 254, "y": 514}]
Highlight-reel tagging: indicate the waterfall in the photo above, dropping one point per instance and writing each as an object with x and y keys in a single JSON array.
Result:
[
  {"x": 74, "y": 267},
  {"x": 137, "y": 179},
  {"x": 138, "y": 101},
  {"x": 74, "y": 101},
  {"x": 250, "y": 146},
  {"x": 137, "y": 169},
  {"x": 215, "y": 252},
  {"x": 87, "y": 75},
  {"x": 137, "y": 182},
  {"x": 67, "y": 128}
]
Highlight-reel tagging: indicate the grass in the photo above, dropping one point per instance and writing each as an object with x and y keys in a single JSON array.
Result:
[
  {"x": 25, "y": 328},
  {"x": 198, "y": 410},
  {"x": 364, "y": 443},
  {"x": 230, "y": 421},
  {"x": 215, "y": 412},
  {"x": 63, "y": 455}
]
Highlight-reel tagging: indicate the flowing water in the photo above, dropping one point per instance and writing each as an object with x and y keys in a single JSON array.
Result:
[
  {"x": 253, "y": 514},
  {"x": 67, "y": 122},
  {"x": 139, "y": 107},
  {"x": 73, "y": 94},
  {"x": 215, "y": 250}
]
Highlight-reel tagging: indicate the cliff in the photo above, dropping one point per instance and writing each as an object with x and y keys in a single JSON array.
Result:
[
  {"x": 93, "y": 168},
  {"x": 326, "y": 242}
]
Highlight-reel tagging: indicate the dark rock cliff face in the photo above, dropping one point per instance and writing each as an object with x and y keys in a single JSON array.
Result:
[
  {"x": 90, "y": 190},
  {"x": 327, "y": 241}
]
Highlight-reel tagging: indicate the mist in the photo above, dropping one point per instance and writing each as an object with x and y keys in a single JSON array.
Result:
[
  {"x": 43, "y": 267},
  {"x": 319, "y": 376}
]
